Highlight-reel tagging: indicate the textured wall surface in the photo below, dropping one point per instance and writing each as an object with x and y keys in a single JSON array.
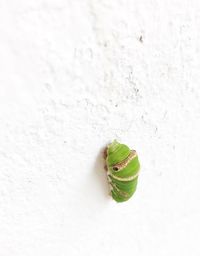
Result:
[{"x": 75, "y": 74}]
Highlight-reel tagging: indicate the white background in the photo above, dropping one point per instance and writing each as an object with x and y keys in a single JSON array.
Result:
[{"x": 74, "y": 75}]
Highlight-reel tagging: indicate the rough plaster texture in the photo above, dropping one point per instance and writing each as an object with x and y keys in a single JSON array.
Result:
[{"x": 74, "y": 74}]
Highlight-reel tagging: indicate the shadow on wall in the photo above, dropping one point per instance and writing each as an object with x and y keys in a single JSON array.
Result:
[{"x": 100, "y": 174}]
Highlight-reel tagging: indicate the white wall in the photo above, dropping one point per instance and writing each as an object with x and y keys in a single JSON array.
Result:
[{"x": 73, "y": 76}]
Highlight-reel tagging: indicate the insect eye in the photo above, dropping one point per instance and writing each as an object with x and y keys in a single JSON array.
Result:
[{"x": 115, "y": 168}]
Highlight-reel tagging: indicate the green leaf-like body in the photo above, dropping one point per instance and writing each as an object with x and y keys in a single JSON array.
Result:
[{"x": 123, "y": 169}]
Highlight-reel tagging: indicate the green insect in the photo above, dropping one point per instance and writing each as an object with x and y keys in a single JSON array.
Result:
[{"x": 122, "y": 166}]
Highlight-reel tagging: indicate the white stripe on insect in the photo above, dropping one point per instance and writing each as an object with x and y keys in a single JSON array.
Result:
[
  {"x": 125, "y": 179},
  {"x": 121, "y": 192}
]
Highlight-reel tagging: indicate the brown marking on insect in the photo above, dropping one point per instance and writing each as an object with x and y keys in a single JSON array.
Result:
[
  {"x": 122, "y": 193},
  {"x": 105, "y": 153},
  {"x": 123, "y": 164},
  {"x": 115, "y": 168},
  {"x": 105, "y": 156}
]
